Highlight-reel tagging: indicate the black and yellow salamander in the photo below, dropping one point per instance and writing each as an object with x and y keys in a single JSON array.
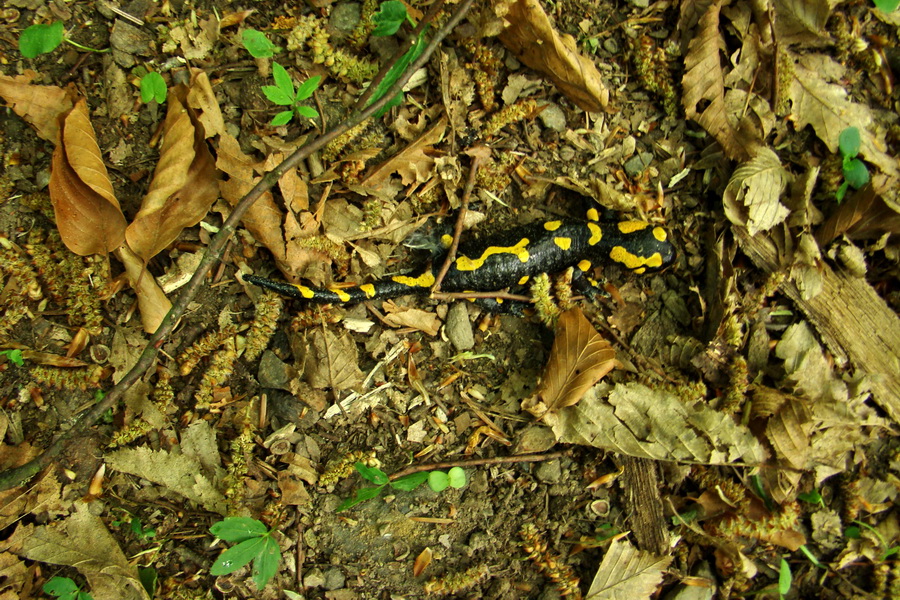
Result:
[{"x": 512, "y": 258}]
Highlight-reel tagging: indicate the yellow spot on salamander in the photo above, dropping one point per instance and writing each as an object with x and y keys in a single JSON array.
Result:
[
  {"x": 344, "y": 296},
  {"x": 305, "y": 291},
  {"x": 426, "y": 279},
  {"x": 593, "y": 215},
  {"x": 446, "y": 240},
  {"x": 634, "y": 262},
  {"x": 585, "y": 265},
  {"x": 524, "y": 280},
  {"x": 464, "y": 263},
  {"x": 596, "y": 234},
  {"x": 368, "y": 289},
  {"x": 632, "y": 226},
  {"x": 552, "y": 225},
  {"x": 563, "y": 242},
  {"x": 660, "y": 234}
]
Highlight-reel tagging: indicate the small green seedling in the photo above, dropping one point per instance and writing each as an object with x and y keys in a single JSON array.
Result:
[
  {"x": 153, "y": 88},
  {"x": 43, "y": 39},
  {"x": 812, "y": 497},
  {"x": 254, "y": 542},
  {"x": 886, "y": 6},
  {"x": 283, "y": 94},
  {"x": 785, "y": 579},
  {"x": 856, "y": 174},
  {"x": 854, "y": 532},
  {"x": 65, "y": 589},
  {"x": 14, "y": 356},
  {"x": 258, "y": 45},
  {"x": 438, "y": 481},
  {"x": 811, "y": 557},
  {"x": 388, "y": 19},
  {"x": 140, "y": 532}
]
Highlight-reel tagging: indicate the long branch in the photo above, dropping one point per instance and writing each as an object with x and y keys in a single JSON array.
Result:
[{"x": 19, "y": 475}]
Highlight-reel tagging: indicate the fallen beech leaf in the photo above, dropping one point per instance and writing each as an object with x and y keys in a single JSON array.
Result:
[
  {"x": 534, "y": 41},
  {"x": 400, "y": 316},
  {"x": 202, "y": 99},
  {"x": 412, "y": 163},
  {"x": 704, "y": 83},
  {"x": 87, "y": 212},
  {"x": 580, "y": 357},
  {"x": 40, "y": 106},
  {"x": 329, "y": 361},
  {"x": 184, "y": 184},
  {"x": 152, "y": 301},
  {"x": 753, "y": 195},
  {"x": 627, "y": 572},
  {"x": 867, "y": 213}
]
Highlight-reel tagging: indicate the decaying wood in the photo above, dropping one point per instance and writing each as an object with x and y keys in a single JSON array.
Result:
[
  {"x": 852, "y": 319},
  {"x": 644, "y": 501}
]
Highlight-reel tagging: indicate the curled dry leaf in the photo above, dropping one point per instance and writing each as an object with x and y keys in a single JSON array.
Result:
[
  {"x": 184, "y": 184},
  {"x": 87, "y": 212},
  {"x": 413, "y": 163},
  {"x": 867, "y": 213},
  {"x": 422, "y": 561},
  {"x": 534, "y": 41},
  {"x": 752, "y": 197},
  {"x": 580, "y": 357},
  {"x": 41, "y": 106},
  {"x": 704, "y": 83},
  {"x": 152, "y": 301}
]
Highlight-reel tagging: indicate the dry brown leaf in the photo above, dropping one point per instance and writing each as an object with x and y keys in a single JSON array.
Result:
[
  {"x": 826, "y": 107},
  {"x": 52, "y": 360},
  {"x": 412, "y": 163},
  {"x": 41, "y": 106},
  {"x": 534, "y": 41},
  {"x": 580, "y": 357},
  {"x": 802, "y": 22},
  {"x": 863, "y": 215},
  {"x": 627, "y": 573},
  {"x": 183, "y": 188},
  {"x": 82, "y": 541},
  {"x": 422, "y": 561},
  {"x": 152, "y": 301},
  {"x": 202, "y": 99},
  {"x": 655, "y": 424},
  {"x": 401, "y": 316},
  {"x": 752, "y": 197},
  {"x": 704, "y": 82},
  {"x": 87, "y": 212},
  {"x": 43, "y": 497},
  {"x": 329, "y": 360},
  {"x": 267, "y": 222},
  {"x": 13, "y": 576}
]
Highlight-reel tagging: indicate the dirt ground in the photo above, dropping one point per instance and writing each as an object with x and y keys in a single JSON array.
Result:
[{"x": 743, "y": 445}]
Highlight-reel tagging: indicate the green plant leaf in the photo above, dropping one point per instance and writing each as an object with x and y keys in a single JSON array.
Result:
[
  {"x": 456, "y": 477},
  {"x": 784, "y": 578},
  {"x": 812, "y": 497},
  {"x": 282, "y": 118},
  {"x": 842, "y": 191},
  {"x": 408, "y": 483},
  {"x": 848, "y": 142},
  {"x": 308, "y": 112},
  {"x": 362, "y": 495},
  {"x": 40, "y": 39},
  {"x": 438, "y": 481},
  {"x": 266, "y": 564},
  {"x": 63, "y": 587},
  {"x": 82, "y": 595},
  {"x": 237, "y": 556},
  {"x": 283, "y": 81},
  {"x": 238, "y": 529},
  {"x": 14, "y": 356},
  {"x": 887, "y": 6},
  {"x": 257, "y": 44},
  {"x": 276, "y": 95},
  {"x": 855, "y": 173},
  {"x": 153, "y": 87},
  {"x": 389, "y": 18},
  {"x": 148, "y": 577},
  {"x": 308, "y": 87},
  {"x": 396, "y": 71},
  {"x": 373, "y": 474},
  {"x": 852, "y": 532}
]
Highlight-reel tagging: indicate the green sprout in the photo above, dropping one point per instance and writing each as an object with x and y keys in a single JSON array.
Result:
[
  {"x": 886, "y": 6},
  {"x": 153, "y": 87},
  {"x": 854, "y": 532},
  {"x": 812, "y": 497},
  {"x": 283, "y": 94},
  {"x": 856, "y": 174},
  {"x": 43, "y": 39},
  {"x": 388, "y": 20},
  {"x": 65, "y": 589},
  {"x": 14, "y": 356},
  {"x": 140, "y": 532},
  {"x": 254, "y": 542},
  {"x": 258, "y": 45},
  {"x": 785, "y": 579},
  {"x": 438, "y": 481}
]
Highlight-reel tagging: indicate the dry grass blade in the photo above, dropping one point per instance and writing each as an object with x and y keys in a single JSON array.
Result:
[
  {"x": 580, "y": 358},
  {"x": 627, "y": 573},
  {"x": 87, "y": 212}
]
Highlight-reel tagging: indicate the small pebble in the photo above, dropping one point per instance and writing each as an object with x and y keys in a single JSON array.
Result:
[
  {"x": 459, "y": 328},
  {"x": 553, "y": 118}
]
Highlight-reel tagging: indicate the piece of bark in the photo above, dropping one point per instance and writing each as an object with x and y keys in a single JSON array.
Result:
[{"x": 644, "y": 504}]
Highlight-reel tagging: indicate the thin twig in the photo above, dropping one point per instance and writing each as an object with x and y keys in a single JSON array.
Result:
[
  {"x": 477, "y": 159},
  {"x": 497, "y": 460},
  {"x": 17, "y": 476}
]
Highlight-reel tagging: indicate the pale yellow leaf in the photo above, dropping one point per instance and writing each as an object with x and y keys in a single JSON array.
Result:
[
  {"x": 627, "y": 573},
  {"x": 752, "y": 197}
]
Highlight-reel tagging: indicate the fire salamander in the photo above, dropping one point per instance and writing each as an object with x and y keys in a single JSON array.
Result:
[{"x": 511, "y": 259}]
